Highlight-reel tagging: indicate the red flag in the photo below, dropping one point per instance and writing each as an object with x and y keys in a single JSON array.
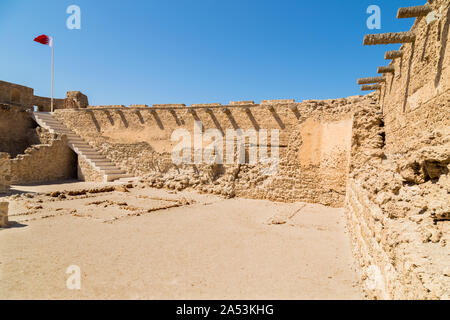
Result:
[{"x": 43, "y": 39}]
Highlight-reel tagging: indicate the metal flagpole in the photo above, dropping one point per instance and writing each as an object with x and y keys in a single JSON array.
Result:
[{"x": 53, "y": 53}]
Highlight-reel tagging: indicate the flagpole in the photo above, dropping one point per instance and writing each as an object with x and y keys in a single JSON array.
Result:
[{"x": 53, "y": 54}]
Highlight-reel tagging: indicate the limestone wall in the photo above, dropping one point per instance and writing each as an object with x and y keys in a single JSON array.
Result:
[
  {"x": 5, "y": 172},
  {"x": 314, "y": 145},
  {"x": 44, "y": 103},
  {"x": 416, "y": 99},
  {"x": 50, "y": 161},
  {"x": 398, "y": 196},
  {"x": 73, "y": 100},
  {"x": 15, "y": 126},
  {"x": 85, "y": 172},
  {"x": 15, "y": 94}
]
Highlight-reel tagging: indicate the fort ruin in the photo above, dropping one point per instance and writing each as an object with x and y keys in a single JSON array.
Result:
[{"x": 384, "y": 157}]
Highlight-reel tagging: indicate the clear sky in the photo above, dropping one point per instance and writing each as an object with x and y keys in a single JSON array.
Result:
[{"x": 195, "y": 51}]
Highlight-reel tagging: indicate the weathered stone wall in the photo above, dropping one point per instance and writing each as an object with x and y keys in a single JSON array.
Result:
[
  {"x": 314, "y": 142},
  {"x": 398, "y": 195},
  {"x": 86, "y": 172},
  {"x": 5, "y": 172},
  {"x": 73, "y": 100},
  {"x": 51, "y": 160},
  {"x": 15, "y": 94},
  {"x": 15, "y": 126},
  {"x": 44, "y": 104},
  {"x": 12, "y": 94}
]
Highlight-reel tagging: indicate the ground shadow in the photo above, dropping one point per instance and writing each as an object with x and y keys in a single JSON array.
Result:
[
  {"x": 14, "y": 225},
  {"x": 444, "y": 38}
]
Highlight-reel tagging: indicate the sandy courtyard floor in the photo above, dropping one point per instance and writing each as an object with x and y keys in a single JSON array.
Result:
[{"x": 153, "y": 244}]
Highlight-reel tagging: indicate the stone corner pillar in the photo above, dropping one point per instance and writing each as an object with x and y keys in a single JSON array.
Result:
[{"x": 4, "y": 214}]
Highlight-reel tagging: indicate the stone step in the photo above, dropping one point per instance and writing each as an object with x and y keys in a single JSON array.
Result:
[
  {"x": 87, "y": 149},
  {"x": 112, "y": 177},
  {"x": 53, "y": 123},
  {"x": 75, "y": 141},
  {"x": 103, "y": 163},
  {"x": 110, "y": 171},
  {"x": 60, "y": 128},
  {"x": 94, "y": 157},
  {"x": 114, "y": 171},
  {"x": 80, "y": 145}
]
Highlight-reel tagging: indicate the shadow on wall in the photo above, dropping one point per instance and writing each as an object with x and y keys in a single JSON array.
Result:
[
  {"x": 408, "y": 75},
  {"x": 216, "y": 123},
  {"x": 110, "y": 118},
  {"x": 253, "y": 120},
  {"x": 444, "y": 39},
  {"x": 175, "y": 116},
  {"x": 122, "y": 117},
  {"x": 157, "y": 119},
  {"x": 232, "y": 120},
  {"x": 94, "y": 120},
  {"x": 222, "y": 118},
  {"x": 139, "y": 115},
  {"x": 427, "y": 35},
  {"x": 278, "y": 119}
]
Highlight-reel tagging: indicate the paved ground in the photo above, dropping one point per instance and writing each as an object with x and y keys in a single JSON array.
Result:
[{"x": 152, "y": 244}]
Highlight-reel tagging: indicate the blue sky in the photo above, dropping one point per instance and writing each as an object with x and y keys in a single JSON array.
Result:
[{"x": 195, "y": 51}]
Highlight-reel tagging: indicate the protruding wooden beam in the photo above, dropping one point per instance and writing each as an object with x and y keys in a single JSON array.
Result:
[
  {"x": 390, "y": 55},
  {"x": 371, "y": 87},
  {"x": 388, "y": 69},
  {"x": 371, "y": 80},
  {"x": 413, "y": 12},
  {"x": 389, "y": 38}
]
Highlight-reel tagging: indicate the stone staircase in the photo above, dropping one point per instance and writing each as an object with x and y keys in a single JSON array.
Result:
[{"x": 99, "y": 162}]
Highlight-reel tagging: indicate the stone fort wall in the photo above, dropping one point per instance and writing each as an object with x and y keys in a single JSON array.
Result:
[
  {"x": 15, "y": 126},
  {"x": 49, "y": 159},
  {"x": 385, "y": 156},
  {"x": 314, "y": 145},
  {"x": 12, "y": 94},
  {"x": 398, "y": 194}
]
